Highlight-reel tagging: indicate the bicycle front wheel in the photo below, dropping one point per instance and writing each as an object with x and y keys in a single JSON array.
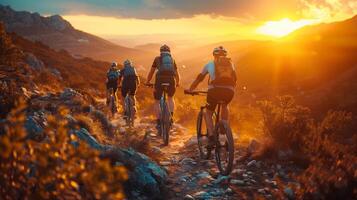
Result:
[
  {"x": 201, "y": 128},
  {"x": 224, "y": 151},
  {"x": 165, "y": 123}
]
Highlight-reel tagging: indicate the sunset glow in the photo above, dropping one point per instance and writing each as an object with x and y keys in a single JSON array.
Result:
[{"x": 283, "y": 27}]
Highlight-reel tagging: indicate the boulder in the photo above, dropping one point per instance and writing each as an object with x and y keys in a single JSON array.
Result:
[
  {"x": 34, "y": 62},
  {"x": 69, "y": 93}
]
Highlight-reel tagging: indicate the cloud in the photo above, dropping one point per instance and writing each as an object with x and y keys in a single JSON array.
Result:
[
  {"x": 169, "y": 9},
  {"x": 329, "y": 10}
]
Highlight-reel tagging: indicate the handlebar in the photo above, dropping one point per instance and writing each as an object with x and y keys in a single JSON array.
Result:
[{"x": 193, "y": 93}]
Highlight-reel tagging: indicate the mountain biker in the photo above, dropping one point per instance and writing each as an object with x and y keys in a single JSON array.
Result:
[
  {"x": 130, "y": 81},
  {"x": 166, "y": 73},
  {"x": 112, "y": 80},
  {"x": 221, "y": 86}
]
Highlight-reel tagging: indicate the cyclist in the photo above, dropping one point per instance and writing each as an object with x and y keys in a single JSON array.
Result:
[
  {"x": 112, "y": 80},
  {"x": 166, "y": 73},
  {"x": 221, "y": 86},
  {"x": 130, "y": 81}
]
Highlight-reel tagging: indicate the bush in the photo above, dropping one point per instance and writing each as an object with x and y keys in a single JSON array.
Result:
[
  {"x": 331, "y": 173},
  {"x": 54, "y": 168},
  {"x": 329, "y": 147},
  {"x": 285, "y": 123}
]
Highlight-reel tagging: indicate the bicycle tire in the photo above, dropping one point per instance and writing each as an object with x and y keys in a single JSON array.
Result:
[
  {"x": 165, "y": 123},
  {"x": 229, "y": 147},
  {"x": 204, "y": 155},
  {"x": 112, "y": 106}
]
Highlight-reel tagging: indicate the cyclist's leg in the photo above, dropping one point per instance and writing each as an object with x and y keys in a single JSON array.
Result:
[
  {"x": 132, "y": 93},
  {"x": 124, "y": 92},
  {"x": 211, "y": 106},
  {"x": 171, "y": 92},
  {"x": 157, "y": 96},
  {"x": 226, "y": 95}
]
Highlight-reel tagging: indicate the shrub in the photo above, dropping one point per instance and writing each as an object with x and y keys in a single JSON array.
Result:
[
  {"x": 285, "y": 122},
  {"x": 329, "y": 147},
  {"x": 54, "y": 168},
  {"x": 331, "y": 173}
]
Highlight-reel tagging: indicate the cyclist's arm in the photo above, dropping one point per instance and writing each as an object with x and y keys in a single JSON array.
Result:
[
  {"x": 152, "y": 71},
  {"x": 197, "y": 81},
  {"x": 151, "y": 74},
  {"x": 177, "y": 76},
  {"x": 137, "y": 80}
]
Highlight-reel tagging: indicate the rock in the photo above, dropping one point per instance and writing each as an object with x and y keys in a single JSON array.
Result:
[
  {"x": 202, "y": 195},
  {"x": 237, "y": 182},
  {"x": 261, "y": 191},
  {"x": 192, "y": 141},
  {"x": 34, "y": 62},
  {"x": 245, "y": 175},
  {"x": 84, "y": 135},
  {"x": 204, "y": 175},
  {"x": 229, "y": 191},
  {"x": 187, "y": 161},
  {"x": 69, "y": 93},
  {"x": 165, "y": 163},
  {"x": 289, "y": 193},
  {"x": 220, "y": 179},
  {"x": 35, "y": 124},
  {"x": 156, "y": 150},
  {"x": 216, "y": 192},
  {"x": 252, "y": 163},
  {"x": 188, "y": 197},
  {"x": 145, "y": 175},
  {"x": 250, "y": 173},
  {"x": 238, "y": 171},
  {"x": 253, "y": 146}
]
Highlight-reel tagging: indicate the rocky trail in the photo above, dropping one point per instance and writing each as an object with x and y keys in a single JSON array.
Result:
[{"x": 190, "y": 177}]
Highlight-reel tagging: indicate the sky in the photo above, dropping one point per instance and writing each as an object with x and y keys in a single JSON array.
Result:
[{"x": 191, "y": 19}]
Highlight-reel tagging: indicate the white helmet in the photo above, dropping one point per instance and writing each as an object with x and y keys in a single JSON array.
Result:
[
  {"x": 219, "y": 51},
  {"x": 127, "y": 63},
  {"x": 114, "y": 64}
]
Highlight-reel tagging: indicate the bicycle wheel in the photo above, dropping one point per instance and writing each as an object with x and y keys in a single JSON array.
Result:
[
  {"x": 127, "y": 111},
  {"x": 224, "y": 151},
  {"x": 201, "y": 128},
  {"x": 165, "y": 123},
  {"x": 113, "y": 107}
]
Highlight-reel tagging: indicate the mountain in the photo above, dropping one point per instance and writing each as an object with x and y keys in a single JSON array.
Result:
[
  {"x": 316, "y": 63},
  {"x": 59, "y": 34}
]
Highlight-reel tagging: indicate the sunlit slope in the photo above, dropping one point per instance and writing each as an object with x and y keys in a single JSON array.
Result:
[{"x": 311, "y": 63}]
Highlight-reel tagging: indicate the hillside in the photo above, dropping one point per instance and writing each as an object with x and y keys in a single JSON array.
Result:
[{"x": 58, "y": 34}]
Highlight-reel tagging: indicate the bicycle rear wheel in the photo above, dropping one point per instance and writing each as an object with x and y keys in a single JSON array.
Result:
[
  {"x": 201, "y": 128},
  {"x": 165, "y": 123},
  {"x": 113, "y": 107},
  {"x": 224, "y": 151}
]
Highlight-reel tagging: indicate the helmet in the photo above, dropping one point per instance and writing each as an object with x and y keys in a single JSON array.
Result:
[
  {"x": 164, "y": 48},
  {"x": 127, "y": 62},
  {"x": 219, "y": 51},
  {"x": 114, "y": 64}
]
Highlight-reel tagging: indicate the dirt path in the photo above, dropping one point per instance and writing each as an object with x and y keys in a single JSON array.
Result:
[{"x": 193, "y": 178}]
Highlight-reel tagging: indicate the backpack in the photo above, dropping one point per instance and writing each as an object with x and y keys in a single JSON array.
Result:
[
  {"x": 224, "y": 72},
  {"x": 166, "y": 66},
  {"x": 129, "y": 71},
  {"x": 113, "y": 75}
]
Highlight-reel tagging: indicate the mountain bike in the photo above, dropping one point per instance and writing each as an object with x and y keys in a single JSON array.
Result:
[
  {"x": 129, "y": 110},
  {"x": 223, "y": 138},
  {"x": 165, "y": 115},
  {"x": 112, "y": 103}
]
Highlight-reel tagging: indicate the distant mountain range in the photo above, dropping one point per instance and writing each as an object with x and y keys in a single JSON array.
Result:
[{"x": 59, "y": 34}]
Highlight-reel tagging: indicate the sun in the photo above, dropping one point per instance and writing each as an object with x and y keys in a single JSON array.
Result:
[{"x": 283, "y": 27}]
